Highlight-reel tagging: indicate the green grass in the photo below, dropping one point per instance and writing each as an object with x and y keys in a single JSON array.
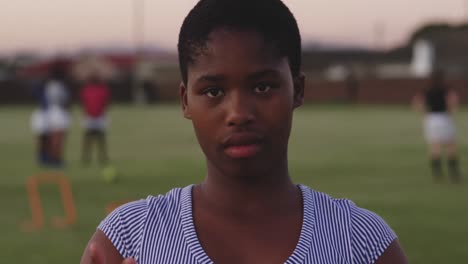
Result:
[{"x": 373, "y": 155}]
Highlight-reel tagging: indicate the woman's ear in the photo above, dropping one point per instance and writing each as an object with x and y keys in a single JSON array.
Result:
[
  {"x": 299, "y": 84},
  {"x": 183, "y": 100}
]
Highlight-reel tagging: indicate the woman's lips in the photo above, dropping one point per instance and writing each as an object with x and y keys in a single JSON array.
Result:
[
  {"x": 242, "y": 151},
  {"x": 242, "y": 145}
]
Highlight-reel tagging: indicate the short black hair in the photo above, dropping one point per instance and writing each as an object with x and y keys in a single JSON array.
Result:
[{"x": 272, "y": 19}]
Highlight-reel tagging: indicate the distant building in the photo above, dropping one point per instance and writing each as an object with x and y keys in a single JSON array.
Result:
[
  {"x": 450, "y": 51},
  {"x": 338, "y": 65},
  {"x": 440, "y": 48}
]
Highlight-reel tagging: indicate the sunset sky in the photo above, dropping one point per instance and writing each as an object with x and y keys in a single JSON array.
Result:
[{"x": 68, "y": 25}]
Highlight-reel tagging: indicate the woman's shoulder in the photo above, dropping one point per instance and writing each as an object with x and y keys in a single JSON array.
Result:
[
  {"x": 139, "y": 209},
  {"x": 369, "y": 234},
  {"x": 125, "y": 225},
  {"x": 324, "y": 202}
]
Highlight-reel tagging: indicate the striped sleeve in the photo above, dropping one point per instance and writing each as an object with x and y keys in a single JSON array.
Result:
[
  {"x": 124, "y": 227},
  {"x": 370, "y": 235}
]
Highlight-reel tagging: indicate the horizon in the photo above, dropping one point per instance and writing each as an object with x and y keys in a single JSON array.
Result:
[{"x": 66, "y": 26}]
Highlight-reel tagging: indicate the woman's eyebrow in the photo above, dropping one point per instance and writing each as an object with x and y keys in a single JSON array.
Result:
[
  {"x": 210, "y": 78},
  {"x": 263, "y": 73},
  {"x": 251, "y": 76}
]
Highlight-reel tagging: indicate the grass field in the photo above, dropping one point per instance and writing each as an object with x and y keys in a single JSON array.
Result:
[{"x": 372, "y": 155}]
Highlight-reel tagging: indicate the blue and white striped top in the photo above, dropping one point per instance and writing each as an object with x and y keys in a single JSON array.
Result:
[{"x": 161, "y": 230}]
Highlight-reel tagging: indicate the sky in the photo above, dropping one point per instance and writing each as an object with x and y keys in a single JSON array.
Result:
[{"x": 69, "y": 25}]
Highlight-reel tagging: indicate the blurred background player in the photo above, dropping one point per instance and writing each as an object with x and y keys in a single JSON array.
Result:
[
  {"x": 58, "y": 118},
  {"x": 39, "y": 124},
  {"x": 438, "y": 103},
  {"x": 95, "y": 97}
]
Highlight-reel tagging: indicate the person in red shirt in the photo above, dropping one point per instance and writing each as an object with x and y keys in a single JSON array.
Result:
[{"x": 95, "y": 98}]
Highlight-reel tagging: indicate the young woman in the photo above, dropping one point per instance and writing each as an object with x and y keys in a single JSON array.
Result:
[
  {"x": 438, "y": 103},
  {"x": 241, "y": 81}
]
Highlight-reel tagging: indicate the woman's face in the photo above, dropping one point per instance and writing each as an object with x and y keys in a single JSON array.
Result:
[{"x": 240, "y": 96}]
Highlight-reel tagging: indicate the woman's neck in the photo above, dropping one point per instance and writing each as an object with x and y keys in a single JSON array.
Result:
[{"x": 270, "y": 191}]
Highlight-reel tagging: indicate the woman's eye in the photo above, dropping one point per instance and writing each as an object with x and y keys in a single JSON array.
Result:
[
  {"x": 213, "y": 92},
  {"x": 262, "y": 88}
]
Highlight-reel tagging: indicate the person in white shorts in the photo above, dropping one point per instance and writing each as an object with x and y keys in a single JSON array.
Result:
[
  {"x": 40, "y": 129},
  {"x": 58, "y": 118},
  {"x": 438, "y": 103}
]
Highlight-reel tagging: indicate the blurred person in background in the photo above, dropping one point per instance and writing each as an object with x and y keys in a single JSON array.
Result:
[
  {"x": 150, "y": 90},
  {"x": 95, "y": 98},
  {"x": 438, "y": 104},
  {"x": 352, "y": 87},
  {"x": 58, "y": 118},
  {"x": 39, "y": 124}
]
